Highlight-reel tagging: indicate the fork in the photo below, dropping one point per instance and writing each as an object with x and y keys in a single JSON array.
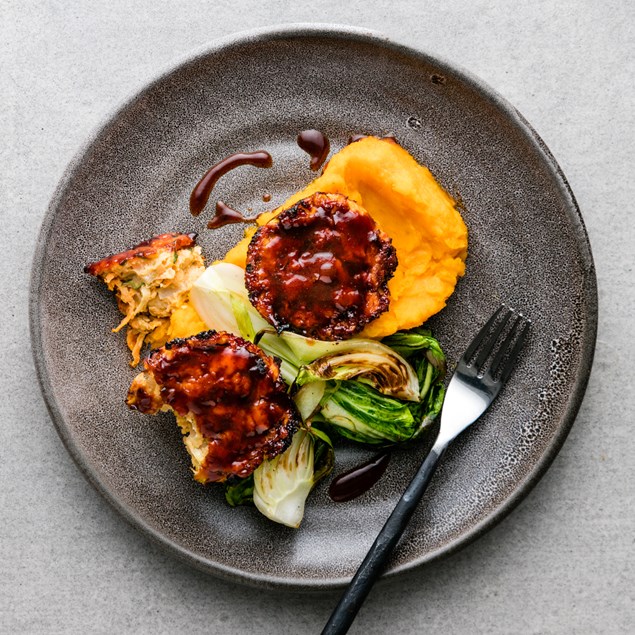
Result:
[{"x": 473, "y": 387}]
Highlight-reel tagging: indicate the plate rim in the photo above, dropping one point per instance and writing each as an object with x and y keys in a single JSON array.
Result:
[{"x": 377, "y": 39}]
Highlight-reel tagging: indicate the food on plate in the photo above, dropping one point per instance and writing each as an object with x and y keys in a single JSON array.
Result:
[
  {"x": 150, "y": 282},
  {"x": 221, "y": 299},
  {"x": 410, "y": 207},
  {"x": 282, "y": 485},
  {"x": 360, "y": 412},
  {"x": 228, "y": 398},
  {"x": 320, "y": 268},
  {"x": 309, "y": 329},
  {"x": 364, "y": 390}
]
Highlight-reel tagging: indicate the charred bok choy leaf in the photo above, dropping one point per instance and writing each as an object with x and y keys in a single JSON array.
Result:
[
  {"x": 424, "y": 353},
  {"x": 360, "y": 413},
  {"x": 365, "y": 360},
  {"x": 280, "y": 486}
]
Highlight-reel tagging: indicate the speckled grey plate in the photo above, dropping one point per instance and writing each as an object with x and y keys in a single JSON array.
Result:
[{"x": 528, "y": 247}]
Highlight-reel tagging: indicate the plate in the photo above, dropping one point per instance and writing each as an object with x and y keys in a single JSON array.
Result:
[{"x": 528, "y": 247}]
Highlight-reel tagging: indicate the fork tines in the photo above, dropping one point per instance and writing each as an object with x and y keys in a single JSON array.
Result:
[{"x": 485, "y": 343}]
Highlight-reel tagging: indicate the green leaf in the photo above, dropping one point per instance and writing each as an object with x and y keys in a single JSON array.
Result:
[
  {"x": 324, "y": 459},
  {"x": 243, "y": 320},
  {"x": 239, "y": 491},
  {"x": 360, "y": 413},
  {"x": 416, "y": 341}
]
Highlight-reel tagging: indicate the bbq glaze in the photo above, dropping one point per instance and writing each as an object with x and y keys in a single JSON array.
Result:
[
  {"x": 226, "y": 215},
  {"x": 320, "y": 268},
  {"x": 235, "y": 395}
]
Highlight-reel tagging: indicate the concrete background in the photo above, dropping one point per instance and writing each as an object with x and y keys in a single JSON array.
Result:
[{"x": 561, "y": 563}]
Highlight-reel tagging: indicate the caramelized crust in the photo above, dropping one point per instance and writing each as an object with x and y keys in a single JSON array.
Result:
[
  {"x": 320, "y": 268},
  {"x": 145, "y": 249},
  {"x": 228, "y": 398}
]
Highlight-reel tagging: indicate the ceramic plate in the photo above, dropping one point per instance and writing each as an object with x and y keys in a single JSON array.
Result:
[{"x": 528, "y": 247}]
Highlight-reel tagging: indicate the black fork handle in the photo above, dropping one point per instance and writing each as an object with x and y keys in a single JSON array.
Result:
[{"x": 378, "y": 555}]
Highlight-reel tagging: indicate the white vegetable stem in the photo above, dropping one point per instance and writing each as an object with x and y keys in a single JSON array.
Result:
[
  {"x": 282, "y": 484},
  {"x": 216, "y": 294}
]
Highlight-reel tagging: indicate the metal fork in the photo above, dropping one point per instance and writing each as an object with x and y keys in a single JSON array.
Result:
[{"x": 473, "y": 387}]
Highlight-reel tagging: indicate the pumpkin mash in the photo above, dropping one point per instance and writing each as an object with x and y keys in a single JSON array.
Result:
[{"x": 407, "y": 204}]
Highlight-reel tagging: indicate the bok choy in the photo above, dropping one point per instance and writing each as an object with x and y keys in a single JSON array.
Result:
[
  {"x": 280, "y": 486},
  {"x": 368, "y": 391},
  {"x": 360, "y": 413},
  {"x": 220, "y": 298}
]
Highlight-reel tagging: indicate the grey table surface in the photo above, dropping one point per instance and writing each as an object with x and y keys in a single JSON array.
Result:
[{"x": 562, "y": 562}]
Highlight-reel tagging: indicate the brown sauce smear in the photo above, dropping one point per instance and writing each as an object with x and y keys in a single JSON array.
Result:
[
  {"x": 316, "y": 145},
  {"x": 201, "y": 193},
  {"x": 226, "y": 215},
  {"x": 360, "y": 479}
]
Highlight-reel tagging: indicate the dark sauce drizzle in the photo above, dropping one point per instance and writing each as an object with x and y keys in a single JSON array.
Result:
[
  {"x": 316, "y": 145},
  {"x": 201, "y": 193},
  {"x": 225, "y": 215},
  {"x": 312, "y": 141},
  {"x": 360, "y": 479}
]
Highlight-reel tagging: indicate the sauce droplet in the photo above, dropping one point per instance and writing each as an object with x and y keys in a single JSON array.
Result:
[
  {"x": 201, "y": 193},
  {"x": 225, "y": 215},
  {"x": 315, "y": 144},
  {"x": 360, "y": 479},
  {"x": 266, "y": 197}
]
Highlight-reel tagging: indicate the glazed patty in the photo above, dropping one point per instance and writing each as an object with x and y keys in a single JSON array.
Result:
[
  {"x": 228, "y": 398},
  {"x": 320, "y": 268}
]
